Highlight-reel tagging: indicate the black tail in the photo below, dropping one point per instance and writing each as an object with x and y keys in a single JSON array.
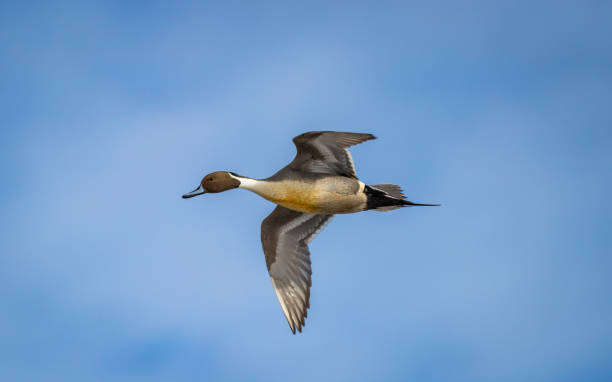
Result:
[
  {"x": 387, "y": 197},
  {"x": 409, "y": 203}
]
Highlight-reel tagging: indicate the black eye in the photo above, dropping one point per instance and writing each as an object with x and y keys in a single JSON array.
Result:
[{"x": 210, "y": 179}]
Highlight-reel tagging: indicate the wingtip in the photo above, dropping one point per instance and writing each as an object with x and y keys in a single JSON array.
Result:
[{"x": 296, "y": 328}]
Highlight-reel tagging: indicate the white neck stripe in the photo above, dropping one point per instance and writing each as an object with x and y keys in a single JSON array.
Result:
[{"x": 247, "y": 183}]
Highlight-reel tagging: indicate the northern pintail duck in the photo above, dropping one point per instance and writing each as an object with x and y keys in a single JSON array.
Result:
[{"x": 318, "y": 183}]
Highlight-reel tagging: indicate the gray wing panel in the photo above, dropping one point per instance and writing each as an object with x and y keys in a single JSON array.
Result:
[
  {"x": 285, "y": 235},
  {"x": 325, "y": 152}
]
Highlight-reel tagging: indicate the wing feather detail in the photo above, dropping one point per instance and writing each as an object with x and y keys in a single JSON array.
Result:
[
  {"x": 285, "y": 235},
  {"x": 326, "y": 152}
]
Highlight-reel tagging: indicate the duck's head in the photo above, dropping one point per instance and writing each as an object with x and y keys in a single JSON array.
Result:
[{"x": 214, "y": 182}]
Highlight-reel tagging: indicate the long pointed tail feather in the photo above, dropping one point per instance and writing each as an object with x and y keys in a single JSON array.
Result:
[
  {"x": 409, "y": 203},
  {"x": 387, "y": 197}
]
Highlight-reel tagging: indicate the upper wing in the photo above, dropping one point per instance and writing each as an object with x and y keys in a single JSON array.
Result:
[
  {"x": 284, "y": 236},
  {"x": 325, "y": 152}
]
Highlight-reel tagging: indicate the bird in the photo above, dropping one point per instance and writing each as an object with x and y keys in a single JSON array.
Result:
[{"x": 319, "y": 183}]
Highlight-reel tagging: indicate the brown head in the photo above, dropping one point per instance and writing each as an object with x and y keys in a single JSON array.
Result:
[{"x": 214, "y": 182}]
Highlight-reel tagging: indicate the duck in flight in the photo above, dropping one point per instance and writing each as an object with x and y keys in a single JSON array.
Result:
[{"x": 319, "y": 183}]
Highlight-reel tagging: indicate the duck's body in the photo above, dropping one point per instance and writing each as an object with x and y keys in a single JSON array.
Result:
[
  {"x": 319, "y": 183},
  {"x": 310, "y": 193}
]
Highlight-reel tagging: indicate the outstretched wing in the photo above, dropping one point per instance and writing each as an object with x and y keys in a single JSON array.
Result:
[
  {"x": 285, "y": 235},
  {"x": 325, "y": 152}
]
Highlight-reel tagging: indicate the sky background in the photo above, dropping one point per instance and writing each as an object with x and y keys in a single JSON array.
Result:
[{"x": 501, "y": 111}]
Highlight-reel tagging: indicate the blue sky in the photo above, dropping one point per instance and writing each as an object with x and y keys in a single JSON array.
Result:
[{"x": 498, "y": 110}]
